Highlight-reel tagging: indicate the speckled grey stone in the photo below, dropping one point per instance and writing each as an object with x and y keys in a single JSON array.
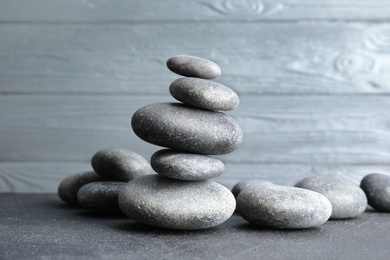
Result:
[
  {"x": 377, "y": 188},
  {"x": 118, "y": 164},
  {"x": 283, "y": 207},
  {"x": 68, "y": 188},
  {"x": 185, "y": 128},
  {"x": 158, "y": 201},
  {"x": 205, "y": 94},
  {"x": 186, "y": 166},
  {"x": 100, "y": 196},
  {"x": 192, "y": 66},
  {"x": 347, "y": 199},
  {"x": 243, "y": 184}
]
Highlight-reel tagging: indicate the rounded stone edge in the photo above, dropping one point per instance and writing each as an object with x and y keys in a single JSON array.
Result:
[
  {"x": 114, "y": 171},
  {"x": 187, "y": 69},
  {"x": 69, "y": 187},
  {"x": 163, "y": 170},
  {"x": 373, "y": 191},
  {"x": 336, "y": 214}
]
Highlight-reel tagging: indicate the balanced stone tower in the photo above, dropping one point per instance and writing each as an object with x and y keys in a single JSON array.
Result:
[{"x": 180, "y": 196}]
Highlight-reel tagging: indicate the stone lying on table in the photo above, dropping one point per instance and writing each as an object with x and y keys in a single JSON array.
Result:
[
  {"x": 185, "y": 128},
  {"x": 192, "y": 66},
  {"x": 158, "y": 201},
  {"x": 347, "y": 199},
  {"x": 186, "y": 166},
  {"x": 283, "y": 207},
  {"x": 118, "y": 164},
  {"x": 100, "y": 196},
  {"x": 204, "y": 94},
  {"x": 377, "y": 188},
  {"x": 68, "y": 188},
  {"x": 243, "y": 184}
]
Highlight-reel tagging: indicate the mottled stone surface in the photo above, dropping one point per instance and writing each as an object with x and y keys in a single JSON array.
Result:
[
  {"x": 205, "y": 94},
  {"x": 186, "y": 166},
  {"x": 68, "y": 188},
  {"x": 347, "y": 199},
  {"x": 118, "y": 164},
  {"x": 100, "y": 196},
  {"x": 174, "y": 204},
  {"x": 192, "y": 66},
  {"x": 185, "y": 128},
  {"x": 377, "y": 188},
  {"x": 243, "y": 184},
  {"x": 283, "y": 207}
]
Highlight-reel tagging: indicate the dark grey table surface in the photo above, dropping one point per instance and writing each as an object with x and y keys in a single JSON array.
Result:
[{"x": 40, "y": 226}]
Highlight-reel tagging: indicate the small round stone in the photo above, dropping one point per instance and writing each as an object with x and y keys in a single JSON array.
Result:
[
  {"x": 100, "y": 196},
  {"x": 283, "y": 207},
  {"x": 68, "y": 188},
  {"x": 186, "y": 166},
  {"x": 191, "y": 66},
  {"x": 243, "y": 184},
  {"x": 118, "y": 164},
  {"x": 347, "y": 199},
  {"x": 158, "y": 201},
  {"x": 377, "y": 188},
  {"x": 204, "y": 94},
  {"x": 188, "y": 129}
]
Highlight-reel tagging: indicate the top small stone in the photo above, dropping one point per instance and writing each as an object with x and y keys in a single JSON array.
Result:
[{"x": 191, "y": 66}]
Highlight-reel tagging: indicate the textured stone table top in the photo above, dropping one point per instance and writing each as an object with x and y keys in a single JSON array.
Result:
[{"x": 40, "y": 226}]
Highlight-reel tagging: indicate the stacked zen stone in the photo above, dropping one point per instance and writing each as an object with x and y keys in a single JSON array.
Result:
[
  {"x": 99, "y": 189},
  {"x": 180, "y": 196}
]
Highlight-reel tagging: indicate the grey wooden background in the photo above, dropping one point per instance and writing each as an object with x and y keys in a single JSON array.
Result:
[{"x": 313, "y": 77}]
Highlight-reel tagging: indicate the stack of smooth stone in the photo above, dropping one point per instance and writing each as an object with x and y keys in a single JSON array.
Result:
[
  {"x": 99, "y": 189},
  {"x": 180, "y": 196}
]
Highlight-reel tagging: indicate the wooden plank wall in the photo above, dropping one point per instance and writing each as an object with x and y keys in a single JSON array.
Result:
[{"x": 313, "y": 78}]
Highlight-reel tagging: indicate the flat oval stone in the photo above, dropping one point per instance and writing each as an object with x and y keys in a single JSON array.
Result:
[
  {"x": 205, "y": 94},
  {"x": 283, "y": 207},
  {"x": 243, "y": 184},
  {"x": 68, "y": 188},
  {"x": 162, "y": 202},
  {"x": 118, "y": 164},
  {"x": 186, "y": 166},
  {"x": 347, "y": 199},
  {"x": 377, "y": 188},
  {"x": 100, "y": 196},
  {"x": 188, "y": 129},
  {"x": 191, "y": 66}
]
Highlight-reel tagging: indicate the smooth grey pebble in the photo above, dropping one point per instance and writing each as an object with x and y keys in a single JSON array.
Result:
[
  {"x": 158, "y": 201},
  {"x": 192, "y": 66},
  {"x": 118, "y": 164},
  {"x": 100, "y": 196},
  {"x": 347, "y": 199},
  {"x": 204, "y": 94},
  {"x": 283, "y": 207},
  {"x": 68, "y": 188},
  {"x": 186, "y": 166},
  {"x": 377, "y": 188},
  {"x": 243, "y": 184},
  {"x": 188, "y": 129}
]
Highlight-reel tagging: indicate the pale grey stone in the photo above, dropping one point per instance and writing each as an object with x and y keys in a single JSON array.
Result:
[
  {"x": 118, "y": 164},
  {"x": 204, "y": 94},
  {"x": 347, "y": 199},
  {"x": 68, "y": 188},
  {"x": 100, "y": 196},
  {"x": 186, "y": 166},
  {"x": 185, "y": 128},
  {"x": 377, "y": 188},
  {"x": 243, "y": 184},
  {"x": 158, "y": 201},
  {"x": 283, "y": 207},
  {"x": 192, "y": 66}
]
